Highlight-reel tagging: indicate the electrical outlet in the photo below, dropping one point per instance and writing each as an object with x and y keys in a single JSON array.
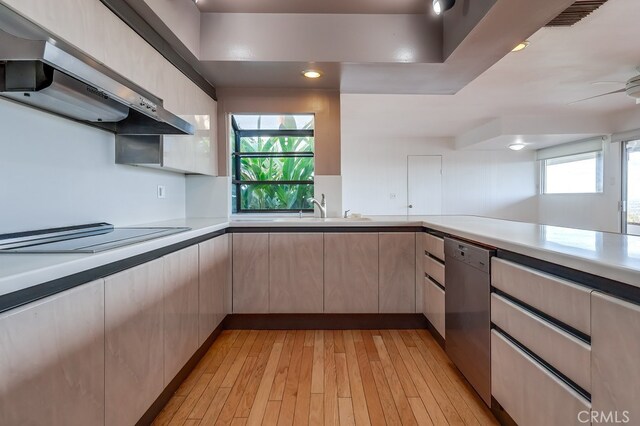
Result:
[
  {"x": 392, "y": 196},
  {"x": 161, "y": 191}
]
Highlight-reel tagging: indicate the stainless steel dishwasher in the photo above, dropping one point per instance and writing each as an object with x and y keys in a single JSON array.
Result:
[{"x": 467, "y": 312}]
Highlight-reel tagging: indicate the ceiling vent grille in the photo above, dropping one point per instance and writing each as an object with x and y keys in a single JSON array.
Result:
[{"x": 576, "y": 12}]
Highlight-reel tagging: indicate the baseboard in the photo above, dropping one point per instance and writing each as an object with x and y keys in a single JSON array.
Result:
[
  {"x": 173, "y": 386},
  {"x": 503, "y": 417},
  {"x": 436, "y": 335},
  {"x": 324, "y": 321}
]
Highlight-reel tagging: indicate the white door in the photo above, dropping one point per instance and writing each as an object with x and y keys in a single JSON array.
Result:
[{"x": 424, "y": 184}]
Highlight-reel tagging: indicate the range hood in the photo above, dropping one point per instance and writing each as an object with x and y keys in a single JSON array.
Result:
[{"x": 40, "y": 71}]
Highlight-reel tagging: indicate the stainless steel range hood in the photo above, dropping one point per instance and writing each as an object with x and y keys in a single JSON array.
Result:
[{"x": 40, "y": 71}]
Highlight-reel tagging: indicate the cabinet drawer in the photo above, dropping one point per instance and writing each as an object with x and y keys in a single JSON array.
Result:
[
  {"x": 569, "y": 355},
  {"x": 434, "y": 301},
  {"x": 434, "y": 245},
  {"x": 561, "y": 299},
  {"x": 434, "y": 269},
  {"x": 528, "y": 391}
]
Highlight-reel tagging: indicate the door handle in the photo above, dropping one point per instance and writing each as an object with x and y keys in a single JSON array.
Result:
[{"x": 410, "y": 206}]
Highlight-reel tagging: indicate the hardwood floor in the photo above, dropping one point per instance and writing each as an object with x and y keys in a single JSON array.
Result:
[{"x": 359, "y": 377}]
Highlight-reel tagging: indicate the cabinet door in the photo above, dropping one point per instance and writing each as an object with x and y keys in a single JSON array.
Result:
[
  {"x": 397, "y": 272},
  {"x": 615, "y": 351},
  {"x": 250, "y": 273},
  {"x": 52, "y": 360},
  {"x": 214, "y": 265},
  {"x": 296, "y": 273},
  {"x": 180, "y": 310},
  {"x": 435, "y": 306},
  {"x": 351, "y": 273},
  {"x": 419, "y": 272},
  {"x": 133, "y": 342}
]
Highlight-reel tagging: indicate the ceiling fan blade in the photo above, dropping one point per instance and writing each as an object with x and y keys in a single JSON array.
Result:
[{"x": 598, "y": 96}]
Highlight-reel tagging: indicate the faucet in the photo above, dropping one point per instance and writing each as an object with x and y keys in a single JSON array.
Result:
[
  {"x": 346, "y": 214},
  {"x": 321, "y": 205}
]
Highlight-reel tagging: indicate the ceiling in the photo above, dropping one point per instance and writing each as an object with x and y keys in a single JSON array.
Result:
[
  {"x": 314, "y": 6},
  {"x": 561, "y": 65}
]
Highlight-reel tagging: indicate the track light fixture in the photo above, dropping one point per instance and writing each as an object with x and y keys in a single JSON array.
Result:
[{"x": 440, "y": 6}]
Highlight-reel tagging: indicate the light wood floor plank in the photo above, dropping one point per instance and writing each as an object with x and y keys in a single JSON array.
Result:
[
  {"x": 316, "y": 410},
  {"x": 345, "y": 408},
  {"x": 272, "y": 411},
  {"x": 288, "y": 407},
  {"x": 359, "y": 400},
  {"x": 430, "y": 403},
  {"x": 330, "y": 382},
  {"x": 303, "y": 399},
  {"x": 262, "y": 396},
  {"x": 277, "y": 390},
  {"x": 343, "y": 377},
  {"x": 317, "y": 374},
  {"x": 399, "y": 397}
]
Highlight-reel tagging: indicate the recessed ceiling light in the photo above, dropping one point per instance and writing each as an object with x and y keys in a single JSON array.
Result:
[
  {"x": 517, "y": 146},
  {"x": 440, "y": 6},
  {"x": 521, "y": 46},
  {"x": 312, "y": 74}
]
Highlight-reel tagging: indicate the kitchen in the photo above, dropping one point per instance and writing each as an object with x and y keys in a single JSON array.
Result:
[{"x": 239, "y": 243}]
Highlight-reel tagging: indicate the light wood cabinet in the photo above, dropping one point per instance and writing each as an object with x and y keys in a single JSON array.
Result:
[
  {"x": 435, "y": 269},
  {"x": 180, "y": 309},
  {"x": 419, "y": 278},
  {"x": 296, "y": 273},
  {"x": 434, "y": 246},
  {"x": 351, "y": 272},
  {"x": 134, "y": 341},
  {"x": 397, "y": 287},
  {"x": 434, "y": 306},
  {"x": 615, "y": 351},
  {"x": 52, "y": 360},
  {"x": 530, "y": 393},
  {"x": 564, "y": 300},
  {"x": 214, "y": 265},
  {"x": 250, "y": 273},
  {"x": 568, "y": 354}
]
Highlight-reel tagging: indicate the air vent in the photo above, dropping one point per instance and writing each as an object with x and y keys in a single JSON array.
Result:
[{"x": 575, "y": 13}]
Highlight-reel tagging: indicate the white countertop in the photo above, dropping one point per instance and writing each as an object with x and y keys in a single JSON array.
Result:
[{"x": 612, "y": 256}]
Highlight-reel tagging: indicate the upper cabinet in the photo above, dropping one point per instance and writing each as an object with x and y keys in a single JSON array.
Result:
[{"x": 52, "y": 360}]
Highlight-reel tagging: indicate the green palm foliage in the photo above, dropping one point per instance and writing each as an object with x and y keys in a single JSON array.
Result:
[{"x": 259, "y": 169}]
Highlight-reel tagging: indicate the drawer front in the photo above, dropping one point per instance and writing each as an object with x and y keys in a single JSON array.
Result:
[
  {"x": 434, "y": 301},
  {"x": 529, "y": 392},
  {"x": 434, "y": 269},
  {"x": 561, "y": 299},
  {"x": 434, "y": 245},
  {"x": 569, "y": 355}
]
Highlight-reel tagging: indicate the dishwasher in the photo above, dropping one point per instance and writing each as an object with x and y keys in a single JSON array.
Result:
[{"x": 467, "y": 312}]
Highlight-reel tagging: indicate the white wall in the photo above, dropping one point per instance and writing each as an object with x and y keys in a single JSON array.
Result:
[
  {"x": 55, "y": 172},
  {"x": 588, "y": 211},
  {"x": 499, "y": 184}
]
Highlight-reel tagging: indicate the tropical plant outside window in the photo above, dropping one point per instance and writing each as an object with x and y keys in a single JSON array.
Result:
[{"x": 272, "y": 163}]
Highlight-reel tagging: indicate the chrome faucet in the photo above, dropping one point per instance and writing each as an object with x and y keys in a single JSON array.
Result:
[{"x": 321, "y": 205}]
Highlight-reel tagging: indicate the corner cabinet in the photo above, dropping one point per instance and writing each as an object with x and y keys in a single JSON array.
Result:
[
  {"x": 52, "y": 360},
  {"x": 615, "y": 351},
  {"x": 397, "y": 272},
  {"x": 250, "y": 273},
  {"x": 215, "y": 280}
]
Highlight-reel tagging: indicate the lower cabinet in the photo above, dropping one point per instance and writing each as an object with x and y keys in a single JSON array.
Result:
[
  {"x": 530, "y": 393},
  {"x": 52, "y": 360},
  {"x": 350, "y": 272},
  {"x": 181, "y": 320},
  {"x": 134, "y": 312},
  {"x": 296, "y": 272},
  {"x": 434, "y": 305},
  {"x": 215, "y": 274},
  {"x": 397, "y": 267},
  {"x": 250, "y": 273},
  {"x": 615, "y": 352}
]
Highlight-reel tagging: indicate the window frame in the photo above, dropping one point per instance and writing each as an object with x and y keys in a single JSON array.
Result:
[
  {"x": 237, "y": 155},
  {"x": 599, "y": 157}
]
